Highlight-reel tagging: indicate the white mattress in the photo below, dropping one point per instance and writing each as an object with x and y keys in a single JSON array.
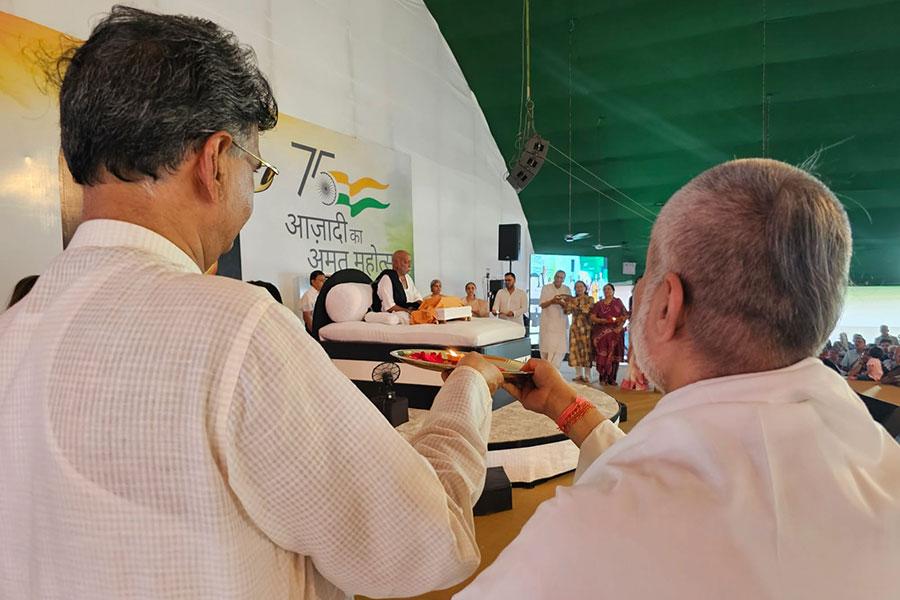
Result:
[{"x": 477, "y": 332}]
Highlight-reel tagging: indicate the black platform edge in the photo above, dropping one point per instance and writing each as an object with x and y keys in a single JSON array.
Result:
[
  {"x": 530, "y": 484},
  {"x": 382, "y": 352}
]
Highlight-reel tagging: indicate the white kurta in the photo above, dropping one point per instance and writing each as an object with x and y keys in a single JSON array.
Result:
[
  {"x": 169, "y": 434},
  {"x": 308, "y": 300},
  {"x": 767, "y": 485},
  {"x": 386, "y": 292},
  {"x": 517, "y": 302},
  {"x": 554, "y": 324}
]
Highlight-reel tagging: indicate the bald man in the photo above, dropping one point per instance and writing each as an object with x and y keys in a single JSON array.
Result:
[{"x": 395, "y": 290}]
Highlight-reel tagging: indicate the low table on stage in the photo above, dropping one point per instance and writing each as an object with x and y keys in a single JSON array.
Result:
[{"x": 527, "y": 445}]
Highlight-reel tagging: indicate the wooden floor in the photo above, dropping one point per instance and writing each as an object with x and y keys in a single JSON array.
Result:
[{"x": 495, "y": 532}]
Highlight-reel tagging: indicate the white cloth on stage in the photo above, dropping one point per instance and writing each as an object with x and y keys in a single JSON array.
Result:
[
  {"x": 169, "y": 434},
  {"x": 386, "y": 292},
  {"x": 764, "y": 485},
  {"x": 517, "y": 302},
  {"x": 554, "y": 325}
]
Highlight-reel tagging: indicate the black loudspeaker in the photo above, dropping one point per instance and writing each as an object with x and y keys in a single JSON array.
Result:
[
  {"x": 529, "y": 163},
  {"x": 509, "y": 239}
]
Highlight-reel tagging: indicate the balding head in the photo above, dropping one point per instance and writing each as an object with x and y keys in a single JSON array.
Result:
[
  {"x": 401, "y": 261},
  {"x": 759, "y": 251}
]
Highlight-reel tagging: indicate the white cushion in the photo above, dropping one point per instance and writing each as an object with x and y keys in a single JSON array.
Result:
[
  {"x": 348, "y": 302},
  {"x": 383, "y": 318}
]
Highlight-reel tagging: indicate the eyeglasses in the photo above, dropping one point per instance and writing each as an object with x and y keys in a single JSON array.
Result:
[{"x": 261, "y": 181}]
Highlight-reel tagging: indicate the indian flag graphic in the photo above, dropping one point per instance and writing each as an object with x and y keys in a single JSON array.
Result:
[{"x": 347, "y": 195}]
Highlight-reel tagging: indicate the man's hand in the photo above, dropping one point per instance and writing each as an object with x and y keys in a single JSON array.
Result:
[
  {"x": 492, "y": 375},
  {"x": 510, "y": 314},
  {"x": 545, "y": 392}
]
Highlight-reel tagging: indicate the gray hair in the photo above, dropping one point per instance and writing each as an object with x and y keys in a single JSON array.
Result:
[
  {"x": 763, "y": 252},
  {"x": 145, "y": 89}
]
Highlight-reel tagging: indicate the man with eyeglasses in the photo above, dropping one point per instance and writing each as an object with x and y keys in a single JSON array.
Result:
[{"x": 169, "y": 434}]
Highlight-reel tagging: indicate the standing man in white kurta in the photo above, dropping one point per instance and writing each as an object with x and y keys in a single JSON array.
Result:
[
  {"x": 758, "y": 474},
  {"x": 554, "y": 322},
  {"x": 167, "y": 434},
  {"x": 308, "y": 300},
  {"x": 510, "y": 303}
]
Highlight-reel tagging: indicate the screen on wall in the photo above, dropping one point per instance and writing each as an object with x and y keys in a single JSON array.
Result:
[{"x": 592, "y": 270}]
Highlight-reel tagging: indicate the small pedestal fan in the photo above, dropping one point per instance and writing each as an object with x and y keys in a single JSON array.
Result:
[{"x": 394, "y": 408}]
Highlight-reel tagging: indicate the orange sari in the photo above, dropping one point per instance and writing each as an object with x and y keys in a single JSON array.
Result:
[{"x": 426, "y": 312}]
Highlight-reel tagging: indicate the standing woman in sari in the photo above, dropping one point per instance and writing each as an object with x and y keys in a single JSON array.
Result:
[
  {"x": 608, "y": 317},
  {"x": 581, "y": 352}
]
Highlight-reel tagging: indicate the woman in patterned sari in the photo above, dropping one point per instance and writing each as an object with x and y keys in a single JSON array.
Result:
[
  {"x": 608, "y": 317},
  {"x": 580, "y": 350}
]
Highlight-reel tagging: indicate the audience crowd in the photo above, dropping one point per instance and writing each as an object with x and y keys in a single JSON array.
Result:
[{"x": 863, "y": 361}]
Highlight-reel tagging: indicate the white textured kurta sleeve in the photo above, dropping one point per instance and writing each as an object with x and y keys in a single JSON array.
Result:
[
  {"x": 501, "y": 301},
  {"x": 602, "y": 437},
  {"x": 518, "y": 304},
  {"x": 412, "y": 292},
  {"x": 322, "y": 473},
  {"x": 386, "y": 293}
]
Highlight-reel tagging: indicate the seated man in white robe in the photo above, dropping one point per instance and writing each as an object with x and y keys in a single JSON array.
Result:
[
  {"x": 395, "y": 290},
  {"x": 758, "y": 474}
]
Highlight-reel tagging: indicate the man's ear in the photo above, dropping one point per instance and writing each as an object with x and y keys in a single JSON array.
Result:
[
  {"x": 668, "y": 307},
  {"x": 210, "y": 166}
]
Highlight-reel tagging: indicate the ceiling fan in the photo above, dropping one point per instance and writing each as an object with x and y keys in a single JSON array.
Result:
[
  {"x": 608, "y": 246},
  {"x": 571, "y": 237}
]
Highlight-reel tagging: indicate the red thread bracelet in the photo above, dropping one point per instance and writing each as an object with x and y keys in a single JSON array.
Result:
[{"x": 577, "y": 409}]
